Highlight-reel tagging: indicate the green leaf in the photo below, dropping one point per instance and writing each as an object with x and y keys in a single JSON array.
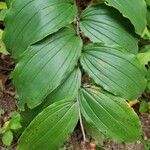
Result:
[
  {"x": 144, "y": 107},
  {"x": 146, "y": 34},
  {"x": 8, "y": 2},
  {"x": 3, "y": 5},
  {"x": 93, "y": 132},
  {"x": 2, "y": 130},
  {"x": 148, "y": 79},
  {"x": 110, "y": 115},
  {"x": 2, "y": 46},
  {"x": 45, "y": 66},
  {"x": 116, "y": 71},
  {"x": 15, "y": 125},
  {"x": 51, "y": 127},
  {"x": 15, "y": 116},
  {"x": 135, "y": 11},
  {"x": 7, "y": 138},
  {"x": 15, "y": 121},
  {"x": 103, "y": 24},
  {"x": 148, "y": 17},
  {"x": 144, "y": 58},
  {"x": 67, "y": 90},
  {"x": 40, "y": 19},
  {"x": 148, "y": 2},
  {"x": 146, "y": 145},
  {"x": 3, "y": 14}
]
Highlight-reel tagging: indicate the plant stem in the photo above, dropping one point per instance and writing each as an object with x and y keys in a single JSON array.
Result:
[
  {"x": 81, "y": 122},
  {"x": 78, "y": 25},
  {"x": 77, "y": 21},
  {"x": 82, "y": 127}
]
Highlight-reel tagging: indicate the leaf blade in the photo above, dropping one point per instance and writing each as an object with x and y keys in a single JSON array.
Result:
[
  {"x": 103, "y": 24},
  {"x": 67, "y": 90},
  {"x": 41, "y": 18},
  {"x": 7, "y": 138},
  {"x": 45, "y": 66},
  {"x": 54, "y": 123},
  {"x": 134, "y": 11},
  {"x": 111, "y": 115},
  {"x": 144, "y": 57},
  {"x": 116, "y": 71}
]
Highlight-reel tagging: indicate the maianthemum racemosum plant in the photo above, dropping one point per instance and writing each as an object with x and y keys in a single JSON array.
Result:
[{"x": 76, "y": 65}]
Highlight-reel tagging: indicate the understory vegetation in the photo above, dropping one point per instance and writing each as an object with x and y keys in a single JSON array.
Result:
[{"x": 79, "y": 64}]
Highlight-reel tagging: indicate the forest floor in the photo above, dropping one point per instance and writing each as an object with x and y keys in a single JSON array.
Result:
[{"x": 8, "y": 104}]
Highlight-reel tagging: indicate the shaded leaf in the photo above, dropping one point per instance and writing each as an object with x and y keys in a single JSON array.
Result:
[
  {"x": 110, "y": 115},
  {"x": 144, "y": 107},
  {"x": 116, "y": 71},
  {"x": 51, "y": 127},
  {"x": 148, "y": 17},
  {"x": 148, "y": 79},
  {"x": 148, "y": 2},
  {"x": 8, "y": 2},
  {"x": 93, "y": 132},
  {"x": 103, "y": 24},
  {"x": 45, "y": 66},
  {"x": 134, "y": 10}
]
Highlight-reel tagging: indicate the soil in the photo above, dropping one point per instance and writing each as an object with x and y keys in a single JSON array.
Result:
[
  {"x": 8, "y": 104},
  {"x": 7, "y": 91}
]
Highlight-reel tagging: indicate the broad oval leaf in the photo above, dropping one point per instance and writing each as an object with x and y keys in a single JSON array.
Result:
[
  {"x": 29, "y": 21},
  {"x": 134, "y": 10},
  {"x": 51, "y": 127},
  {"x": 110, "y": 115},
  {"x": 45, "y": 65},
  {"x": 103, "y": 24},
  {"x": 67, "y": 90},
  {"x": 116, "y": 71}
]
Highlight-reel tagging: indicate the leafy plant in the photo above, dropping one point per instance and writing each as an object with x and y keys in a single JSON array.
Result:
[
  {"x": 76, "y": 63},
  {"x": 3, "y": 10},
  {"x": 147, "y": 145},
  {"x": 144, "y": 107},
  {"x": 11, "y": 125}
]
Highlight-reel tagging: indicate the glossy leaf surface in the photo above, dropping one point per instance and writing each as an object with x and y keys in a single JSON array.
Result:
[
  {"x": 110, "y": 115},
  {"x": 103, "y": 24},
  {"x": 45, "y": 66},
  {"x": 29, "y": 21},
  {"x": 116, "y": 71},
  {"x": 67, "y": 90},
  {"x": 51, "y": 127},
  {"x": 134, "y": 10}
]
